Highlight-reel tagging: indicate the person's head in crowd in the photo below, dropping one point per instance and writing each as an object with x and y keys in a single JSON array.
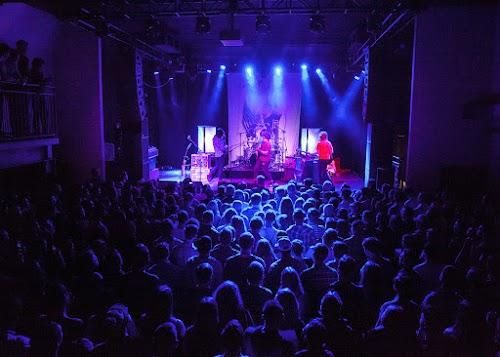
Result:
[
  {"x": 238, "y": 224},
  {"x": 372, "y": 247},
  {"x": 4, "y": 51},
  {"x": 328, "y": 210},
  {"x": 404, "y": 285},
  {"x": 368, "y": 218},
  {"x": 329, "y": 237},
  {"x": 207, "y": 316},
  {"x": 299, "y": 203},
  {"x": 238, "y": 205},
  {"x": 299, "y": 216},
  {"x": 261, "y": 181},
  {"x": 228, "y": 298},
  {"x": 21, "y": 47},
  {"x": 165, "y": 340},
  {"x": 161, "y": 305},
  {"x": 290, "y": 279},
  {"x": 371, "y": 276},
  {"x": 264, "y": 250},
  {"x": 270, "y": 218},
  {"x": 291, "y": 189},
  {"x": 272, "y": 314},
  {"x": 408, "y": 258},
  {"x": 182, "y": 217},
  {"x": 213, "y": 206},
  {"x": 313, "y": 215},
  {"x": 290, "y": 303},
  {"x": 449, "y": 279},
  {"x": 298, "y": 248},
  {"x": 256, "y": 200},
  {"x": 47, "y": 340},
  {"x": 199, "y": 210},
  {"x": 190, "y": 232},
  {"x": 203, "y": 275},
  {"x": 255, "y": 273},
  {"x": 331, "y": 223},
  {"x": 357, "y": 228},
  {"x": 228, "y": 214},
  {"x": 343, "y": 213},
  {"x": 57, "y": 300},
  {"x": 256, "y": 224},
  {"x": 246, "y": 243},
  {"x": 116, "y": 321},
  {"x": 343, "y": 229},
  {"x": 347, "y": 269},
  {"x": 207, "y": 218},
  {"x": 393, "y": 319},
  {"x": 330, "y": 307},
  {"x": 203, "y": 246},
  {"x": 232, "y": 339},
  {"x": 166, "y": 229},
  {"x": 226, "y": 236},
  {"x": 320, "y": 253},
  {"x": 161, "y": 252},
  {"x": 286, "y": 207},
  {"x": 89, "y": 262},
  {"x": 315, "y": 336},
  {"x": 339, "y": 249},
  {"x": 284, "y": 246}
]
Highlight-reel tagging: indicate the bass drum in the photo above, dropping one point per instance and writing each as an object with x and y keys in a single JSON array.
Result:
[{"x": 253, "y": 159}]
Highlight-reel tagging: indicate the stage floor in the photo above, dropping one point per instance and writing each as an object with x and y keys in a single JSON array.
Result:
[{"x": 343, "y": 177}]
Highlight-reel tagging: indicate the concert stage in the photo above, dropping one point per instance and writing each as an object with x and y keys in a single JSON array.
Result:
[{"x": 237, "y": 175}]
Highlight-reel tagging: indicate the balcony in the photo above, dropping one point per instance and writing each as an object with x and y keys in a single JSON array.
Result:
[
  {"x": 28, "y": 124},
  {"x": 26, "y": 111}
]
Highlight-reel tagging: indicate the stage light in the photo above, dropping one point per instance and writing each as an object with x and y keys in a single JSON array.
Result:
[
  {"x": 317, "y": 23},
  {"x": 262, "y": 24},
  {"x": 222, "y": 67},
  {"x": 318, "y": 71},
  {"x": 202, "y": 24},
  {"x": 303, "y": 66},
  {"x": 209, "y": 71},
  {"x": 156, "y": 73},
  {"x": 356, "y": 77},
  {"x": 278, "y": 70},
  {"x": 249, "y": 70}
]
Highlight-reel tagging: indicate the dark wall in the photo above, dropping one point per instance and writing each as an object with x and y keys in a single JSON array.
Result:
[
  {"x": 389, "y": 97},
  {"x": 452, "y": 124},
  {"x": 178, "y": 107}
]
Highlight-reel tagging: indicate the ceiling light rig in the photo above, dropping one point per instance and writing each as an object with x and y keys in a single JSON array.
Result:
[
  {"x": 203, "y": 24},
  {"x": 317, "y": 23},
  {"x": 263, "y": 23}
]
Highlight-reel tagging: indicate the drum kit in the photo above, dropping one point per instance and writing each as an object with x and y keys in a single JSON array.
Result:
[{"x": 250, "y": 144}]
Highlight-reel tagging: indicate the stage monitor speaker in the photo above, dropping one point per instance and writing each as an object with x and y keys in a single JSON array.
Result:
[
  {"x": 311, "y": 170},
  {"x": 109, "y": 152}
]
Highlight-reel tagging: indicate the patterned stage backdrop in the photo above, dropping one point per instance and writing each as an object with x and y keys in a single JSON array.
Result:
[{"x": 268, "y": 102}]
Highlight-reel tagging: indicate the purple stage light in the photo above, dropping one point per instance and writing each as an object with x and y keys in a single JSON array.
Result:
[
  {"x": 156, "y": 73},
  {"x": 318, "y": 71},
  {"x": 209, "y": 71},
  {"x": 356, "y": 77},
  {"x": 222, "y": 67},
  {"x": 303, "y": 67}
]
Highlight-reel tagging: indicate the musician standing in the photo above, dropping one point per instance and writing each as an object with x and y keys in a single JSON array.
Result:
[
  {"x": 324, "y": 149},
  {"x": 219, "y": 141},
  {"x": 263, "y": 156}
]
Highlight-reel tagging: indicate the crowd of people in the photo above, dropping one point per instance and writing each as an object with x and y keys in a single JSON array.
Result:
[
  {"x": 122, "y": 269},
  {"x": 15, "y": 65}
]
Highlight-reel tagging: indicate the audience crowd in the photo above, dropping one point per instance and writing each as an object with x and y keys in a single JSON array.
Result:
[
  {"x": 15, "y": 65},
  {"x": 122, "y": 269}
]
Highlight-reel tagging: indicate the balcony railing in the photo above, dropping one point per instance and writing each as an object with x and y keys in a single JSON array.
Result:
[{"x": 26, "y": 111}]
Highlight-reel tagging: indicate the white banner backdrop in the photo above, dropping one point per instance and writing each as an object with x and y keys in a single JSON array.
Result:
[{"x": 271, "y": 103}]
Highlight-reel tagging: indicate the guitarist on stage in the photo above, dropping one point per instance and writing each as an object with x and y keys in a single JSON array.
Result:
[
  {"x": 219, "y": 141},
  {"x": 263, "y": 156}
]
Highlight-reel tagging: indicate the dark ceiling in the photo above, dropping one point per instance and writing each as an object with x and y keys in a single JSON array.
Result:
[{"x": 345, "y": 22}]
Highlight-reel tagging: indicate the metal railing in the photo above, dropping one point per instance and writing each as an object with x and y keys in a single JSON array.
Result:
[{"x": 26, "y": 111}]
